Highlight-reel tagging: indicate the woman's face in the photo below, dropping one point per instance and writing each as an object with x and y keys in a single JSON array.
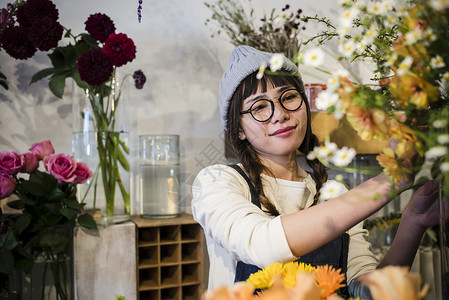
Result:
[{"x": 279, "y": 136}]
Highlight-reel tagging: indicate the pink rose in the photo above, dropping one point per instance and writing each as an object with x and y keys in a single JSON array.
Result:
[
  {"x": 7, "y": 186},
  {"x": 10, "y": 162},
  {"x": 82, "y": 173},
  {"x": 61, "y": 166},
  {"x": 30, "y": 162},
  {"x": 42, "y": 149}
]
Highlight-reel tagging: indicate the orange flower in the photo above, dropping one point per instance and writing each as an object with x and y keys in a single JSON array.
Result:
[
  {"x": 369, "y": 123},
  {"x": 408, "y": 142},
  {"x": 392, "y": 166},
  {"x": 410, "y": 88},
  {"x": 393, "y": 282},
  {"x": 329, "y": 280}
]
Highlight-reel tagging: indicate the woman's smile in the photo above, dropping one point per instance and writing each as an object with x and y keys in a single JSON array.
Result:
[{"x": 283, "y": 132}]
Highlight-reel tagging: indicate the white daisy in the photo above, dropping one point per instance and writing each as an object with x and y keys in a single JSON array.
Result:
[
  {"x": 391, "y": 60},
  {"x": 371, "y": 34},
  {"x": 404, "y": 66},
  {"x": 342, "y": 30},
  {"x": 276, "y": 62},
  {"x": 437, "y": 62},
  {"x": 413, "y": 36},
  {"x": 444, "y": 167},
  {"x": 348, "y": 48},
  {"x": 443, "y": 139},
  {"x": 343, "y": 157},
  {"x": 326, "y": 99},
  {"x": 327, "y": 151},
  {"x": 348, "y": 15},
  {"x": 339, "y": 112},
  {"x": 331, "y": 189},
  {"x": 314, "y": 57},
  {"x": 435, "y": 153},
  {"x": 262, "y": 69},
  {"x": 439, "y": 4},
  {"x": 375, "y": 8},
  {"x": 439, "y": 123}
]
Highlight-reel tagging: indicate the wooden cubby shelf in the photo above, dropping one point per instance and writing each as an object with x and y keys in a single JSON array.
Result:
[{"x": 170, "y": 258}]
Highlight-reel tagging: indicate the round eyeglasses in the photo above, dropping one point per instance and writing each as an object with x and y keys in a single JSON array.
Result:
[{"x": 263, "y": 109}]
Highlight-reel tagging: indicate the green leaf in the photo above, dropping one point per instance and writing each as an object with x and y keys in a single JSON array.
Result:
[
  {"x": 33, "y": 188},
  {"x": 8, "y": 240},
  {"x": 69, "y": 213},
  {"x": 56, "y": 194},
  {"x": 25, "y": 264},
  {"x": 4, "y": 84},
  {"x": 6, "y": 261},
  {"x": 23, "y": 222},
  {"x": 87, "y": 221},
  {"x": 16, "y": 204},
  {"x": 57, "y": 58},
  {"x": 53, "y": 207},
  {"x": 74, "y": 204},
  {"x": 123, "y": 161},
  {"x": 57, "y": 84},
  {"x": 42, "y": 74}
]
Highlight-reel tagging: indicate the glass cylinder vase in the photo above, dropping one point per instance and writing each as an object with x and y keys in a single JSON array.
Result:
[
  {"x": 101, "y": 139},
  {"x": 159, "y": 169}
]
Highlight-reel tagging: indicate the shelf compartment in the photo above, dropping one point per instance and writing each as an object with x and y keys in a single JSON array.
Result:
[
  {"x": 191, "y": 292},
  {"x": 148, "y": 256},
  {"x": 191, "y": 232},
  {"x": 190, "y": 274},
  {"x": 169, "y": 234},
  {"x": 150, "y": 295},
  {"x": 190, "y": 252},
  {"x": 149, "y": 278},
  {"x": 169, "y": 254},
  {"x": 148, "y": 235},
  {"x": 170, "y": 275},
  {"x": 171, "y": 293}
]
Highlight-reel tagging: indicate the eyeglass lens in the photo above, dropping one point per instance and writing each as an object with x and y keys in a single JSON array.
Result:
[{"x": 262, "y": 110}]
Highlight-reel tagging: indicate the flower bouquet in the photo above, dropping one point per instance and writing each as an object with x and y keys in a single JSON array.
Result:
[
  {"x": 91, "y": 60},
  {"x": 48, "y": 211}
]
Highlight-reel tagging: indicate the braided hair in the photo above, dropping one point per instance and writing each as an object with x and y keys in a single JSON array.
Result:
[{"x": 246, "y": 153}]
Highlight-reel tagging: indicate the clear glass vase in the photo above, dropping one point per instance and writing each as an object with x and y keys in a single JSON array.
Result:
[{"x": 101, "y": 139}]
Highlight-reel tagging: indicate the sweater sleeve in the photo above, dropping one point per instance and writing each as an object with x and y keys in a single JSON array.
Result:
[{"x": 221, "y": 205}]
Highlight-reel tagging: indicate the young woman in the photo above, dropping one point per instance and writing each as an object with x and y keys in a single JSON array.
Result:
[{"x": 265, "y": 209}]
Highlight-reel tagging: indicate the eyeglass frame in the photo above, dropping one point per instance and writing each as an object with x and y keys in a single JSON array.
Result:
[{"x": 249, "y": 110}]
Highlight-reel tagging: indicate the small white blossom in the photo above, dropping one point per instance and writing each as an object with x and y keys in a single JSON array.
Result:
[
  {"x": 343, "y": 30},
  {"x": 413, "y": 36},
  {"x": 279, "y": 21},
  {"x": 339, "y": 112},
  {"x": 262, "y": 69},
  {"x": 312, "y": 155},
  {"x": 429, "y": 35},
  {"x": 371, "y": 34},
  {"x": 348, "y": 15},
  {"x": 276, "y": 62},
  {"x": 437, "y": 62},
  {"x": 331, "y": 189},
  {"x": 348, "y": 48},
  {"x": 444, "y": 167},
  {"x": 326, "y": 99},
  {"x": 375, "y": 8},
  {"x": 391, "y": 60},
  {"x": 404, "y": 66},
  {"x": 386, "y": 5},
  {"x": 439, "y": 123},
  {"x": 390, "y": 20},
  {"x": 327, "y": 151},
  {"x": 435, "y": 153},
  {"x": 314, "y": 57},
  {"x": 361, "y": 46},
  {"x": 439, "y": 4},
  {"x": 344, "y": 157},
  {"x": 443, "y": 139}
]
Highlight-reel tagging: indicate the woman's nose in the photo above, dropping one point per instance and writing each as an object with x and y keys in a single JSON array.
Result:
[{"x": 280, "y": 114}]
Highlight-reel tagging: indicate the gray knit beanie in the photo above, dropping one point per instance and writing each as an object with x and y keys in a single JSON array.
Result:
[{"x": 243, "y": 61}]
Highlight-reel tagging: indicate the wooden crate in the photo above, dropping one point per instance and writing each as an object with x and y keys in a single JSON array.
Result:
[{"x": 170, "y": 258}]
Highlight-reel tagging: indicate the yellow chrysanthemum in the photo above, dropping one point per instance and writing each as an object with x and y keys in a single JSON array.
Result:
[
  {"x": 264, "y": 278},
  {"x": 329, "y": 280},
  {"x": 291, "y": 270},
  {"x": 392, "y": 166},
  {"x": 410, "y": 88},
  {"x": 369, "y": 124}
]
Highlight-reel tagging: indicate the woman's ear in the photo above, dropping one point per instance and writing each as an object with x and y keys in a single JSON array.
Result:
[{"x": 242, "y": 135}]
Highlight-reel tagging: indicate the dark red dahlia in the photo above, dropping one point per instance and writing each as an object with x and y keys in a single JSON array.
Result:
[
  {"x": 35, "y": 10},
  {"x": 95, "y": 67},
  {"x": 16, "y": 43},
  {"x": 21, "y": 18},
  {"x": 45, "y": 34},
  {"x": 120, "y": 48},
  {"x": 99, "y": 26},
  {"x": 139, "y": 79}
]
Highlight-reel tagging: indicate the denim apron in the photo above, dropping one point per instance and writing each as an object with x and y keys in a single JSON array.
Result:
[{"x": 334, "y": 253}]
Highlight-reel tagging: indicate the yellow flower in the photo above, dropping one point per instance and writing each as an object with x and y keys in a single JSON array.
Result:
[
  {"x": 408, "y": 141},
  {"x": 392, "y": 166},
  {"x": 369, "y": 124},
  {"x": 410, "y": 88},
  {"x": 264, "y": 278},
  {"x": 329, "y": 280},
  {"x": 291, "y": 270}
]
